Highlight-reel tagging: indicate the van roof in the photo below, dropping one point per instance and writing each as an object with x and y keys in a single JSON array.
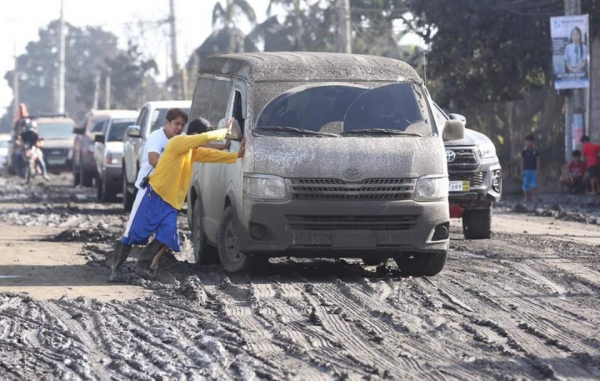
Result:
[
  {"x": 305, "y": 66},
  {"x": 40, "y": 121}
]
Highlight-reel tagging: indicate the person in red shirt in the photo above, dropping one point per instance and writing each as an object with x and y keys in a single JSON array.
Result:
[
  {"x": 575, "y": 177},
  {"x": 591, "y": 152}
]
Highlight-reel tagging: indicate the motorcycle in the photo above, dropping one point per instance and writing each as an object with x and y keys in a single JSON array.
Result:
[{"x": 29, "y": 157}]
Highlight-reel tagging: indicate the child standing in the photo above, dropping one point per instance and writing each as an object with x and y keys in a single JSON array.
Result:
[
  {"x": 530, "y": 164},
  {"x": 591, "y": 152}
]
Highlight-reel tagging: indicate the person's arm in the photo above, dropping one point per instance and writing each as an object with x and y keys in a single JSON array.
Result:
[
  {"x": 153, "y": 158},
  {"x": 220, "y": 147},
  {"x": 522, "y": 164},
  {"x": 537, "y": 162},
  {"x": 207, "y": 155},
  {"x": 183, "y": 143}
]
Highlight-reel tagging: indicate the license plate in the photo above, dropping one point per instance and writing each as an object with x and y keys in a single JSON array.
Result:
[
  {"x": 353, "y": 240},
  {"x": 56, "y": 152},
  {"x": 459, "y": 186},
  {"x": 56, "y": 161}
]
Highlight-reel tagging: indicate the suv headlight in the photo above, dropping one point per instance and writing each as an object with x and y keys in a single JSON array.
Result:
[
  {"x": 112, "y": 159},
  {"x": 487, "y": 150},
  {"x": 431, "y": 188},
  {"x": 264, "y": 187}
]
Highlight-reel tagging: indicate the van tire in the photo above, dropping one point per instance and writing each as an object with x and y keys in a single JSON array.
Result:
[
  {"x": 232, "y": 260},
  {"x": 477, "y": 224},
  {"x": 85, "y": 177},
  {"x": 99, "y": 189},
  {"x": 204, "y": 254},
  {"x": 421, "y": 264},
  {"x": 374, "y": 261},
  {"x": 75, "y": 174}
]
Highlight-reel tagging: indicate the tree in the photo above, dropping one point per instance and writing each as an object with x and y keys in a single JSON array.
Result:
[{"x": 228, "y": 15}]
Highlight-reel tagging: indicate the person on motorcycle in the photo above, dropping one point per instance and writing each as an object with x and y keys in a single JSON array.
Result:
[{"x": 31, "y": 140}]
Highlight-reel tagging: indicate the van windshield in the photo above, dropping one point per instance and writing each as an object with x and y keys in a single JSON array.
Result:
[{"x": 346, "y": 110}]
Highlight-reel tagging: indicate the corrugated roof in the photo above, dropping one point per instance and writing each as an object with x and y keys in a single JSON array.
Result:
[{"x": 304, "y": 66}]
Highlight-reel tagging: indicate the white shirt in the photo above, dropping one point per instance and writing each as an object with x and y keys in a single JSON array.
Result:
[
  {"x": 576, "y": 54},
  {"x": 156, "y": 142}
]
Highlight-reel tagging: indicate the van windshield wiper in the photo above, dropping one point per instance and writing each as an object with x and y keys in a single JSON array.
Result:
[
  {"x": 385, "y": 131},
  {"x": 296, "y": 130}
]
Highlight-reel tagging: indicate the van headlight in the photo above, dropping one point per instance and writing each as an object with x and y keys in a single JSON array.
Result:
[
  {"x": 431, "y": 188},
  {"x": 264, "y": 187},
  {"x": 487, "y": 150},
  {"x": 112, "y": 159}
]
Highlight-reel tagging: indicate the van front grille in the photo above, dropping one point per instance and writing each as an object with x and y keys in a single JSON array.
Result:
[
  {"x": 329, "y": 223},
  {"x": 475, "y": 179},
  {"x": 366, "y": 190}
]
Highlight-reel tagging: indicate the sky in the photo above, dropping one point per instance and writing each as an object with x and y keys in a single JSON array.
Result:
[{"x": 20, "y": 21}]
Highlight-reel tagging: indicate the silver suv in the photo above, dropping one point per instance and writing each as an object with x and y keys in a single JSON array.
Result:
[{"x": 151, "y": 117}]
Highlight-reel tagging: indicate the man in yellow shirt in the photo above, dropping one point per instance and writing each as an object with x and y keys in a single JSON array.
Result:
[{"x": 166, "y": 191}]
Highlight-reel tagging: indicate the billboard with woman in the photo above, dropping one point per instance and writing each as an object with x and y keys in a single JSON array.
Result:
[{"x": 570, "y": 52}]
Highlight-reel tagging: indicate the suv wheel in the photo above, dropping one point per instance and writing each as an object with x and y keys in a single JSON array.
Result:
[
  {"x": 204, "y": 254},
  {"x": 421, "y": 264},
  {"x": 127, "y": 197},
  {"x": 477, "y": 224},
  {"x": 84, "y": 177},
  {"x": 232, "y": 260}
]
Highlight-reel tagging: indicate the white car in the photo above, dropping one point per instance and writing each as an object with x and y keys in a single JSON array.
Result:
[
  {"x": 108, "y": 155},
  {"x": 4, "y": 143}
]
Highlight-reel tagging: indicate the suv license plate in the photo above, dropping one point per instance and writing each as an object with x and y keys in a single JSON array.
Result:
[{"x": 459, "y": 186}]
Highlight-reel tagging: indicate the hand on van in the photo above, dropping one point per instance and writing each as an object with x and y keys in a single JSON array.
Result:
[{"x": 242, "y": 150}]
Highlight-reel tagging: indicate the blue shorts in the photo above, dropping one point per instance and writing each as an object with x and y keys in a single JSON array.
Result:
[
  {"x": 529, "y": 180},
  {"x": 151, "y": 214}
]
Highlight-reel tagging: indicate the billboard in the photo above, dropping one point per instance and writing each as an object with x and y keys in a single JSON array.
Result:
[{"x": 570, "y": 52}]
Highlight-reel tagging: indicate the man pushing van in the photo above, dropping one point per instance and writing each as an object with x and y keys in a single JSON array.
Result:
[{"x": 165, "y": 192}]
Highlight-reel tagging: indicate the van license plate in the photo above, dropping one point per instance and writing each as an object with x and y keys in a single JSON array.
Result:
[
  {"x": 459, "y": 186},
  {"x": 353, "y": 240}
]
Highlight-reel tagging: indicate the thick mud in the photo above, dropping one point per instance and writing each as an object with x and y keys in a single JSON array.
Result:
[{"x": 518, "y": 306}]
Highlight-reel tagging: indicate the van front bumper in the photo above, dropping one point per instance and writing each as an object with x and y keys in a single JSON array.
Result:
[{"x": 341, "y": 229}]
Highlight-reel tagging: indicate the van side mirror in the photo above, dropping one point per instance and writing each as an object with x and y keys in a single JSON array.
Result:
[
  {"x": 236, "y": 130},
  {"x": 458, "y": 117},
  {"x": 99, "y": 138},
  {"x": 133, "y": 131},
  {"x": 453, "y": 130},
  {"x": 78, "y": 130}
]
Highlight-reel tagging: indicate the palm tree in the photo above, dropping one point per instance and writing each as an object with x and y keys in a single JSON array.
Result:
[
  {"x": 226, "y": 15},
  {"x": 298, "y": 42}
]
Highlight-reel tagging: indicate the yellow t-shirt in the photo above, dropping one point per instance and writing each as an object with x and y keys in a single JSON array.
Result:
[{"x": 171, "y": 179}]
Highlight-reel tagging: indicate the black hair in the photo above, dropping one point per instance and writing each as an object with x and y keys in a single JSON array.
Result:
[
  {"x": 198, "y": 126},
  {"x": 175, "y": 113},
  {"x": 581, "y": 41},
  {"x": 530, "y": 138},
  {"x": 585, "y": 139},
  {"x": 577, "y": 153}
]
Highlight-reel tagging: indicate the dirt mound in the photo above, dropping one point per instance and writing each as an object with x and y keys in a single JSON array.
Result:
[{"x": 97, "y": 235}]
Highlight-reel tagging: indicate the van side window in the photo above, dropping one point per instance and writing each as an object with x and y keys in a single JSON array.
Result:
[
  {"x": 211, "y": 99},
  {"x": 141, "y": 117},
  {"x": 237, "y": 110},
  {"x": 98, "y": 126}
]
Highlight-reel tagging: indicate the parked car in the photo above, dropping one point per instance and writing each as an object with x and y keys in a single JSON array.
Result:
[
  {"x": 151, "y": 117},
  {"x": 339, "y": 163},
  {"x": 475, "y": 178},
  {"x": 84, "y": 166},
  {"x": 108, "y": 155},
  {"x": 58, "y": 137},
  {"x": 4, "y": 144}
]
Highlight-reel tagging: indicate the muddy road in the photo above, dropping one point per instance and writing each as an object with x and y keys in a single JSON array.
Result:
[{"x": 523, "y": 305}]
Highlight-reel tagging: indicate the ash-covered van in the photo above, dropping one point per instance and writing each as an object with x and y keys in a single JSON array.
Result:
[{"x": 344, "y": 159}]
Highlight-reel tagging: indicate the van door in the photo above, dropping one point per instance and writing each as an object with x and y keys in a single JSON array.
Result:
[{"x": 211, "y": 102}]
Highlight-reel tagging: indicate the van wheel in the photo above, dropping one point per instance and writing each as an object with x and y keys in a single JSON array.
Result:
[
  {"x": 99, "y": 189},
  {"x": 374, "y": 261},
  {"x": 75, "y": 174},
  {"x": 421, "y": 264},
  {"x": 232, "y": 260},
  {"x": 204, "y": 254},
  {"x": 477, "y": 224},
  {"x": 127, "y": 197},
  {"x": 84, "y": 177}
]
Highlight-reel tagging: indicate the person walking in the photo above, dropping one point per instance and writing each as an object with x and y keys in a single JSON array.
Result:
[{"x": 530, "y": 164}]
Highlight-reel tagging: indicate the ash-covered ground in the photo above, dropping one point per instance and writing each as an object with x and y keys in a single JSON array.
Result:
[{"x": 523, "y": 305}]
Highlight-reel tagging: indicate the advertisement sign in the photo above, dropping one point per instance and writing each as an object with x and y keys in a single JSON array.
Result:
[{"x": 570, "y": 52}]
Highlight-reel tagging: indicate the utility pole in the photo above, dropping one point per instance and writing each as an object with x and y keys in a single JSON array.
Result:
[
  {"x": 16, "y": 80},
  {"x": 61, "y": 62},
  {"x": 107, "y": 91},
  {"x": 96, "y": 91},
  {"x": 574, "y": 101},
  {"x": 174, "y": 64},
  {"x": 344, "y": 28}
]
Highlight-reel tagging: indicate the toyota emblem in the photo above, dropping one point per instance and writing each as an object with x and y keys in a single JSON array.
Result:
[
  {"x": 450, "y": 156},
  {"x": 351, "y": 173}
]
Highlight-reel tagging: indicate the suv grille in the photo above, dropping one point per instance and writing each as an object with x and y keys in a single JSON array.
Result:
[
  {"x": 328, "y": 223},
  {"x": 333, "y": 189},
  {"x": 476, "y": 179},
  {"x": 466, "y": 159}
]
